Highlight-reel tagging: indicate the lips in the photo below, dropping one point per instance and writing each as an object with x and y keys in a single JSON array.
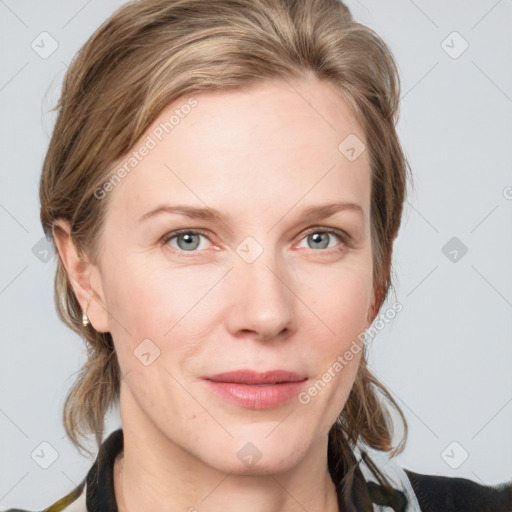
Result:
[
  {"x": 256, "y": 390},
  {"x": 254, "y": 378}
]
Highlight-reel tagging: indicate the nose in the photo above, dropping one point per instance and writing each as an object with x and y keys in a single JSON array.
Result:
[{"x": 261, "y": 299}]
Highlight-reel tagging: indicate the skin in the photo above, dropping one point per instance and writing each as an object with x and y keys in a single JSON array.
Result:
[{"x": 259, "y": 155}]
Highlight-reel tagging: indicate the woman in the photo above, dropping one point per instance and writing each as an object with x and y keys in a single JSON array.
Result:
[{"x": 256, "y": 129}]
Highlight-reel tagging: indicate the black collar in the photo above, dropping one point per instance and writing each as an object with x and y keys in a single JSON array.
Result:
[{"x": 100, "y": 496}]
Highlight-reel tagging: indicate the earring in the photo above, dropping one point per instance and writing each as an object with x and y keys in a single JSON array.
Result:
[{"x": 85, "y": 320}]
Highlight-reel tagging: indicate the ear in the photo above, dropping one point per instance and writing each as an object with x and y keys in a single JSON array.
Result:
[
  {"x": 374, "y": 305},
  {"x": 84, "y": 277}
]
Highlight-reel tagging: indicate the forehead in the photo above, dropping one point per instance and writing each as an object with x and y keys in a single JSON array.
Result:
[{"x": 277, "y": 141}]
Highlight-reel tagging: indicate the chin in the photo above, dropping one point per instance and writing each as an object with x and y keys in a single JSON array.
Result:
[
  {"x": 259, "y": 453},
  {"x": 271, "y": 463}
]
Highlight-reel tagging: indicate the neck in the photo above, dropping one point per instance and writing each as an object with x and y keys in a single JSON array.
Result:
[
  {"x": 152, "y": 473},
  {"x": 134, "y": 491}
]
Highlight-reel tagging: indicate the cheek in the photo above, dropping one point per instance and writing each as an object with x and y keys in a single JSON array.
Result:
[
  {"x": 157, "y": 296},
  {"x": 350, "y": 309},
  {"x": 343, "y": 308},
  {"x": 340, "y": 299},
  {"x": 162, "y": 304}
]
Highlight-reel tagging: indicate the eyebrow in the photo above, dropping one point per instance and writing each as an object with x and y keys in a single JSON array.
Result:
[{"x": 211, "y": 214}]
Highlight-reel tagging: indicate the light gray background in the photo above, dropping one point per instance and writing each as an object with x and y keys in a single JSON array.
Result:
[{"x": 446, "y": 357}]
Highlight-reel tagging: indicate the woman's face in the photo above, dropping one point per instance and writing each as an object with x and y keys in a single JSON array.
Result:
[{"x": 251, "y": 288}]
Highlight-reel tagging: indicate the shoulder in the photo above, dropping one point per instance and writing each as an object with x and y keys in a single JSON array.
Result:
[
  {"x": 418, "y": 492},
  {"x": 96, "y": 489},
  {"x": 75, "y": 501},
  {"x": 453, "y": 494}
]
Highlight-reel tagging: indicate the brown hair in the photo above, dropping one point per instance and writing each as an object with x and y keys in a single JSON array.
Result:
[{"x": 148, "y": 54}]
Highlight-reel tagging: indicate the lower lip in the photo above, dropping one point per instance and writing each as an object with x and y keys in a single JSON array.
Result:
[{"x": 256, "y": 397}]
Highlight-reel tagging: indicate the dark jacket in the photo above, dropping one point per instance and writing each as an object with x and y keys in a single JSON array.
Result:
[{"x": 433, "y": 493}]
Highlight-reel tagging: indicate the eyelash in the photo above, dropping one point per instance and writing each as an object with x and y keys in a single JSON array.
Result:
[{"x": 344, "y": 237}]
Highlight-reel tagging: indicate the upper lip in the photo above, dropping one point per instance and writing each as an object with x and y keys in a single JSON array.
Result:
[{"x": 255, "y": 377}]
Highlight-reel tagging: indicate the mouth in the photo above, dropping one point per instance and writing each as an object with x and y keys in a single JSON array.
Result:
[{"x": 256, "y": 390}]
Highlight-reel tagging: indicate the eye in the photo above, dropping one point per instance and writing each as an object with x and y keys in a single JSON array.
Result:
[
  {"x": 187, "y": 240},
  {"x": 320, "y": 238}
]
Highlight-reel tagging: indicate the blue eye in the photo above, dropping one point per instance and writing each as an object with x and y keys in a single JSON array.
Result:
[
  {"x": 189, "y": 240},
  {"x": 320, "y": 237}
]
